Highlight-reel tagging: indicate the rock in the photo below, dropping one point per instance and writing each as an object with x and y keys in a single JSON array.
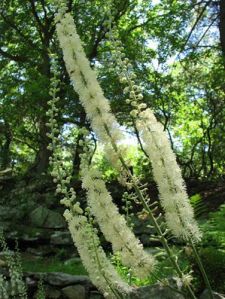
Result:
[
  {"x": 72, "y": 261},
  {"x": 52, "y": 293},
  {"x": 5, "y": 225},
  {"x": 61, "y": 238},
  {"x": 8, "y": 213},
  {"x": 43, "y": 217},
  {"x": 155, "y": 292},
  {"x": 3, "y": 263},
  {"x": 30, "y": 283},
  {"x": 95, "y": 295},
  {"x": 40, "y": 251},
  {"x": 205, "y": 295},
  {"x": 141, "y": 226},
  {"x": 62, "y": 279},
  {"x": 153, "y": 250},
  {"x": 74, "y": 292}
]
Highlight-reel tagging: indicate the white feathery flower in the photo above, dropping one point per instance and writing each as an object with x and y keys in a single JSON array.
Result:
[
  {"x": 101, "y": 271},
  {"x": 85, "y": 83},
  {"x": 178, "y": 211},
  {"x": 114, "y": 226}
]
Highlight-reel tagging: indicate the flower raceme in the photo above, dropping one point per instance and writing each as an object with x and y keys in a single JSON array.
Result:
[
  {"x": 85, "y": 83},
  {"x": 174, "y": 199},
  {"x": 101, "y": 271},
  {"x": 114, "y": 226},
  {"x": 179, "y": 214},
  {"x": 98, "y": 110}
]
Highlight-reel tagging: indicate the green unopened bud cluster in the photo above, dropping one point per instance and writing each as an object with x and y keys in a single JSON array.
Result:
[
  {"x": 127, "y": 208},
  {"x": 125, "y": 71},
  {"x": 60, "y": 174},
  {"x": 15, "y": 287}
]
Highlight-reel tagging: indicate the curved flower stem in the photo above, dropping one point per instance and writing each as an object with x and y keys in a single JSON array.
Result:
[
  {"x": 114, "y": 291},
  {"x": 163, "y": 283},
  {"x": 201, "y": 268},
  {"x": 151, "y": 216}
]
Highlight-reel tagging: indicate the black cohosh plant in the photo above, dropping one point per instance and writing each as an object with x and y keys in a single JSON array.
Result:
[
  {"x": 14, "y": 287},
  {"x": 178, "y": 213}
]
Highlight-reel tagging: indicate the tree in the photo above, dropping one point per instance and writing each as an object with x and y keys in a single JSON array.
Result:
[{"x": 168, "y": 63}]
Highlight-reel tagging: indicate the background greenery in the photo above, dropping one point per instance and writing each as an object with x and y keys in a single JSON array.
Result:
[
  {"x": 177, "y": 49},
  {"x": 178, "y": 53}
]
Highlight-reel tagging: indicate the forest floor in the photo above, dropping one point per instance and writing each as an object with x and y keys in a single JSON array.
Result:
[{"x": 30, "y": 214}]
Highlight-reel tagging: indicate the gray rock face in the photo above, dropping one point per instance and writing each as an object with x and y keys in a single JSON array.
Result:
[
  {"x": 61, "y": 238},
  {"x": 155, "y": 292},
  {"x": 60, "y": 285},
  {"x": 43, "y": 217},
  {"x": 59, "y": 279},
  {"x": 95, "y": 295},
  {"x": 52, "y": 293},
  {"x": 206, "y": 295},
  {"x": 74, "y": 292}
]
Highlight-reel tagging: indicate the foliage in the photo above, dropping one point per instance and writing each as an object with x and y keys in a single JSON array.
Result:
[
  {"x": 41, "y": 291},
  {"x": 198, "y": 205},
  {"x": 15, "y": 287},
  {"x": 214, "y": 229},
  {"x": 184, "y": 86},
  {"x": 103, "y": 164},
  {"x": 162, "y": 272},
  {"x": 54, "y": 264},
  {"x": 140, "y": 164},
  {"x": 181, "y": 72},
  {"x": 213, "y": 260}
]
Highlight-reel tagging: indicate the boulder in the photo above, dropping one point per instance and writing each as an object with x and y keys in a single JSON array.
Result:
[
  {"x": 43, "y": 217},
  {"x": 61, "y": 238},
  {"x": 95, "y": 295},
  {"x": 52, "y": 293},
  {"x": 206, "y": 295},
  {"x": 61, "y": 280},
  {"x": 74, "y": 292},
  {"x": 155, "y": 292}
]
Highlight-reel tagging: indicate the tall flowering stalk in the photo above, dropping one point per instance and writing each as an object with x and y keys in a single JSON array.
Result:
[
  {"x": 100, "y": 269},
  {"x": 178, "y": 212},
  {"x": 106, "y": 127},
  {"x": 16, "y": 287},
  {"x": 174, "y": 199},
  {"x": 108, "y": 130},
  {"x": 85, "y": 83},
  {"x": 114, "y": 226},
  {"x": 98, "y": 111}
]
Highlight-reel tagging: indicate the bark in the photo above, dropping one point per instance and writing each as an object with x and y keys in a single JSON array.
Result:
[
  {"x": 222, "y": 25},
  {"x": 46, "y": 31},
  {"x": 6, "y": 157},
  {"x": 42, "y": 158}
]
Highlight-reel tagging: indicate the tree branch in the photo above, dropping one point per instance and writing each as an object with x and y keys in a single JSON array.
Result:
[
  {"x": 28, "y": 41},
  {"x": 17, "y": 58},
  {"x": 195, "y": 24},
  {"x": 40, "y": 25}
]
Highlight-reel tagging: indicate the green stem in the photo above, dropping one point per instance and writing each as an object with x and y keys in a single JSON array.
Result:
[
  {"x": 163, "y": 239},
  {"x": 202, "y": 269},
  {"x": 142, "y": 200},
  {"x": 115, "y": 292},
  {"x": 151, "y": 216}
]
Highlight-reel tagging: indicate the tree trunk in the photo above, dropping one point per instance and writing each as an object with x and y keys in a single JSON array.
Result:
[
  {"x": 42, "y": 158},
  {"x": 6, "y": 157},
  {"x": 222, "y": 25}
]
